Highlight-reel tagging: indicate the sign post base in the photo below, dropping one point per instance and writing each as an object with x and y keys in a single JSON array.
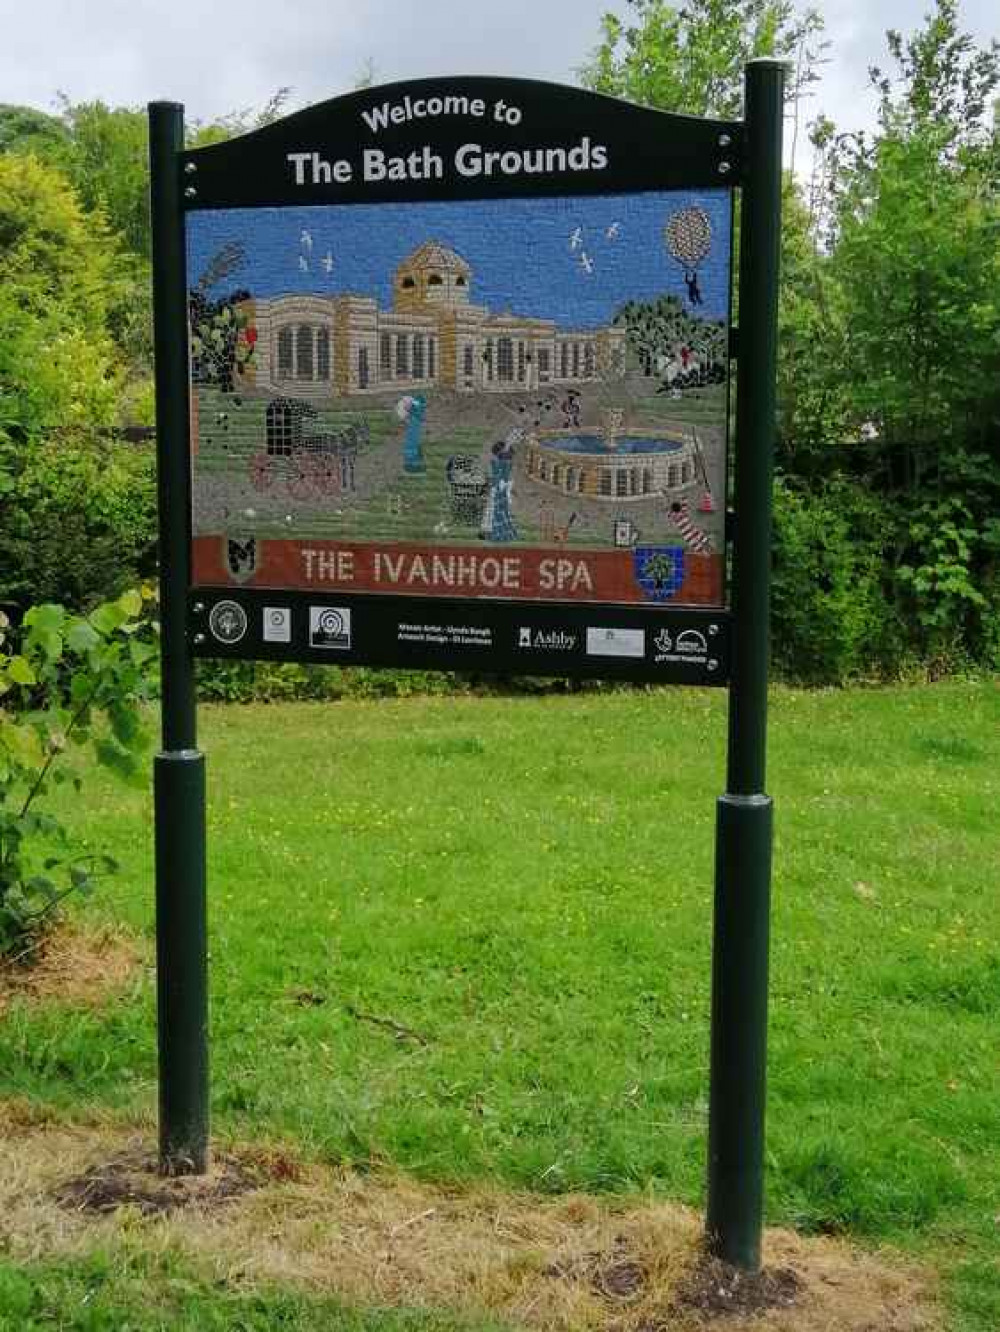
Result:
[
  {"x": 739, "y": 1028},
  {"x": 181, "y": 966}
]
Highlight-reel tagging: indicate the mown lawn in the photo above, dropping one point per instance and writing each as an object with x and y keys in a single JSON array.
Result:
[{"x": 523, "y": 886}]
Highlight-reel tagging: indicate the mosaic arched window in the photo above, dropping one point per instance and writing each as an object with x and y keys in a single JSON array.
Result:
[
  {"x": 304, "y": 352},
  {"x": 286, "y": 354},
  {"x": 323, "y": 353}
]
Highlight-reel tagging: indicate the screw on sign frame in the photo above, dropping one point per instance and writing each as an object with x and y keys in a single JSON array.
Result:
[{"x": 750, "y": 153}]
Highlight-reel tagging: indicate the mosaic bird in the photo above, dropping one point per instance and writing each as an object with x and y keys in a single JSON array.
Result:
[
  {"x": 576, "y": 239},
  {"x": 586, "y": 263},
  {"x": 327, "y": 262},
  {"x": 306, "y": 241},
  {"x": 614, "y": 231},
  {"x": 303, "y": 264}
]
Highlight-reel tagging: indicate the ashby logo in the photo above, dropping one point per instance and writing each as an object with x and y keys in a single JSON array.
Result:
[{"x": 547, "y": 640}]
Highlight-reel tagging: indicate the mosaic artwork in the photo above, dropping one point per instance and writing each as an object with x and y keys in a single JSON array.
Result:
[{"x": 521, "y": 398}]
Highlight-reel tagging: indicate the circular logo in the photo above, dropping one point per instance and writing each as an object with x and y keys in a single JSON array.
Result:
[
  {"x": 276, "y": 618},
  {"x": 227, "y": 621},
  {"x": 331, "y": 622}
]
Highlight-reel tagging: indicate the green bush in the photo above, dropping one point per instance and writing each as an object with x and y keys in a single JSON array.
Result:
[
  {"x": 77, "y": 520},
  {"x": 272, "y": 682},
  {"x": 988, "y": 638},
  {"x": 277, "y": 682},
  {"x": 831, "y": 617}
]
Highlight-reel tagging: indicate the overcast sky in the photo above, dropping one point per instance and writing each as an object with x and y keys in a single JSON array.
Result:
[{"x": 220, "y": 57}]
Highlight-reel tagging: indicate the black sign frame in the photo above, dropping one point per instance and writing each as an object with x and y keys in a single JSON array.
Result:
[{"x": 645, "y": 151}]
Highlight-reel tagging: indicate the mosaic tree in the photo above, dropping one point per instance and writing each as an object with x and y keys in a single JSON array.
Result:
[
  {"x": 222, "y": 337},
  {"x": 669, "y": 342}
]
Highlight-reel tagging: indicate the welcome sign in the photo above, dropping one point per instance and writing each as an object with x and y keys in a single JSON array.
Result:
[
  {"x": 459, "y": 358},
  {"x": 442, "y": 380}
]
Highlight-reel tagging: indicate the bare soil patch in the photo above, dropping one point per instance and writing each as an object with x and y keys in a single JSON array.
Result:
[
  {"x": 566, "y": 1264},
  {"x": 132, "y": 1180},
  {"x": 71, "y": 966},
  {"x": 715, "y": 1289}
]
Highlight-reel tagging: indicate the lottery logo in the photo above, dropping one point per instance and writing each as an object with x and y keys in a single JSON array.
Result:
[
  {"x": 227, "y": 622},
  {"x": 329, "y": 627}
]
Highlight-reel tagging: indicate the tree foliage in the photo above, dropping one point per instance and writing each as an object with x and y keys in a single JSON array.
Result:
[
  {"x": 57, "y": 362},
  {"x": 901, "y": 301},
  {"x": 690, "y": 57},
  {"x": 29, "y": 130}
]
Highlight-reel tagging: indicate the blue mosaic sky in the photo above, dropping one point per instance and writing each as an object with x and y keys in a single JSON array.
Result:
[{"x": 519, "y": 250}]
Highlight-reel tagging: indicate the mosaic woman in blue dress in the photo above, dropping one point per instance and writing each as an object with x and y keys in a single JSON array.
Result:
[
  {"x": 501, "y": 522},
  {"x": 412, "y": 410}
]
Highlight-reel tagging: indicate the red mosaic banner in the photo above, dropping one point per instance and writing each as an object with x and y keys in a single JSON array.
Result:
[{"x": 420, "y": 569}]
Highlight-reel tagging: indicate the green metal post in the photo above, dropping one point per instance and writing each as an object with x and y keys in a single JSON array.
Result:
[
  {"x": 179, "y": 770},
  {"x": 744, "y": 814}
]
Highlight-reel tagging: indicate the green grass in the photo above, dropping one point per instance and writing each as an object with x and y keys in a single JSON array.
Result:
[
  {"x": 527, "y": 884},
  {"x": 155, "y": 1293}
]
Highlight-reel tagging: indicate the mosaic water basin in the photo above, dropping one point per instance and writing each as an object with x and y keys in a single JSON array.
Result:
[
  {"x": 602, "y": 466},
  {"x": 623, "y": 444}
]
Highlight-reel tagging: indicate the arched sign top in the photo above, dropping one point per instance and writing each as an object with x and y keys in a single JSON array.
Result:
[{"x": 462, "y": 138}]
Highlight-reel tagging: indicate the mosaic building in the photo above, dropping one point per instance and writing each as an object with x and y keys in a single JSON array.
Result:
[{"x": 433, "y": 337}]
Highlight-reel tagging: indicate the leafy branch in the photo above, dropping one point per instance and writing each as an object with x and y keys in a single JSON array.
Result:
[{"x": 70, "y": 680}]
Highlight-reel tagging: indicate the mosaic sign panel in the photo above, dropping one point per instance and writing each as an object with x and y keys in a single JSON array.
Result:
[{"x": 458, "y": 397}]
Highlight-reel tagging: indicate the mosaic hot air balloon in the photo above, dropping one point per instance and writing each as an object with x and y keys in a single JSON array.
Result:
[{"x": 688, "y": 238}]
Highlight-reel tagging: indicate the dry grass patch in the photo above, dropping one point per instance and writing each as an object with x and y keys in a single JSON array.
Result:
[
  {"x": 71, "y": 966},
  {"x": 560, "y": 1264}
]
